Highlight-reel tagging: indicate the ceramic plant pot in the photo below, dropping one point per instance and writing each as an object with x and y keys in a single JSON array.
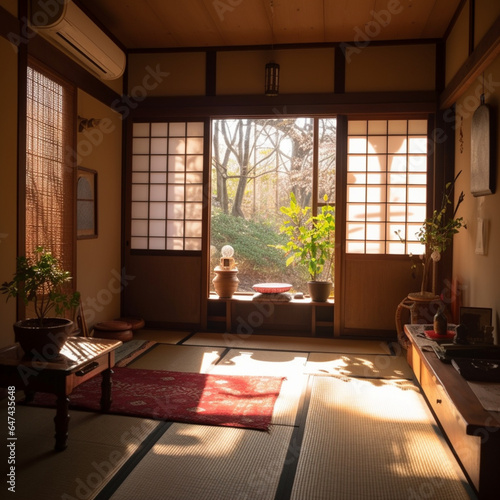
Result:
[
  {"x": 44, "y": 341},
  {"x": 319, "y": 291}
]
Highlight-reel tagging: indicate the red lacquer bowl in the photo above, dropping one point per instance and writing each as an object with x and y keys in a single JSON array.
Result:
[{"x": 272, "y": 287}]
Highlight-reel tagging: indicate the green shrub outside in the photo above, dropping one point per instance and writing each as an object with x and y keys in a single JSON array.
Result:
[{"x": 257, "y": 262}]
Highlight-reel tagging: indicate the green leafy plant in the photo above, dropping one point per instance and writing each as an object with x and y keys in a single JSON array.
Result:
[
  {"x": 311, "y": 238},
  {"x": 40, "y": 280},
  {"x": 437, "y": 232}
]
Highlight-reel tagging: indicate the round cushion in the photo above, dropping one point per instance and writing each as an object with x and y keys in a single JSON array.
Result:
[
  {"x": 136, "y": 323},
  {"x": 113, "y": 326},
  {"x": 124, "y": 335}
]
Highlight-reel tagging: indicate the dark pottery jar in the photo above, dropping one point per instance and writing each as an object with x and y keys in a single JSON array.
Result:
[{"x": 440, "y": 322}]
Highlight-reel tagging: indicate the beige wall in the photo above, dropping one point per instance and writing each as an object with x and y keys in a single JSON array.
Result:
[
  {"x": 391, "y": 68},
  {"x": 8, "y": 186},
  {"x": 167, "y": 74},
  {"x": 479, "y": 275},
  {"x": 457, "y": 44},
  {"x": 486, "y": 13},
  {"x": 98, "y": 260},
  {"x": 303, "y": 70}
]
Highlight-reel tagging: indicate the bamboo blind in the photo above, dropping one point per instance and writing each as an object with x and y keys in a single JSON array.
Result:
[{"x": 49, "y": 169}]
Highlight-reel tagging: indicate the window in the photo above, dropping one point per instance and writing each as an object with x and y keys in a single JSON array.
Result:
[
  {"x": 49, "y": 171},
  {"x": 167, "y": 186},
  {"x": 256, "y": 165},
  {"x": 386, "y": 185}
]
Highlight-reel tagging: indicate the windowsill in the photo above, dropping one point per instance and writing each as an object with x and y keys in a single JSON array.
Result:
[{"x": 247, "y": 297}]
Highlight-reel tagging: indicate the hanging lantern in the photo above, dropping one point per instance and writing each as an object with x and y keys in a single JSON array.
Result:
[{"x": 272, "y": 79}]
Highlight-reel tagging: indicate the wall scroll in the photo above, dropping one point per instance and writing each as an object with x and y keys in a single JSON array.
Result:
[
  {"x": 481, "y": 177},
  {"x": 86, "y": 203}
]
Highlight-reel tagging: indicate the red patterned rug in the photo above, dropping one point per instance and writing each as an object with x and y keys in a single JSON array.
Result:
[{"x": 195, "y": 398}]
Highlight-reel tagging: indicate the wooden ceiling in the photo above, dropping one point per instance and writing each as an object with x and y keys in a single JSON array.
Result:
[{"x": 148, "y": 24}]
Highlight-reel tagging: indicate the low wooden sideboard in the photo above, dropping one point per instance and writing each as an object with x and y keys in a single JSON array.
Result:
[{"x": 473, "y": 432}]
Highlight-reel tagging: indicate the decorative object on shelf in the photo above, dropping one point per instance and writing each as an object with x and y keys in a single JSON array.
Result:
[
  {"x": 39, "y": 280},
  {"x": 461, "y": 336},
  {"x": 227, "y": 260},
  {"x": 272, "y": 287},
  {"x": 476, "y": 322},
  {"x": 440, "y": 322},
  {"x": 226, "y": 274},
  {"x": 311, "y": 244}
]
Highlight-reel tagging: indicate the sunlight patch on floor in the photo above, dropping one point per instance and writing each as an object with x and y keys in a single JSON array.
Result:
[{"x": 358, "y": 365}]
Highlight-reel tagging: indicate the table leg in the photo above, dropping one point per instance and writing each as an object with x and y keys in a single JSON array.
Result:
[
  {"x": 106, "y": 390},
  {"x": 62, "y": 422}
]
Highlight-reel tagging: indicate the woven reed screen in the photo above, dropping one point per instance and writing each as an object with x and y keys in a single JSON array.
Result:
[{"x": 50, "y": 180}]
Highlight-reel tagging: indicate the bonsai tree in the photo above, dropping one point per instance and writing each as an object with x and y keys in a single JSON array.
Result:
[
  {"x": 311, "y": 238},
  {"x": 40, "y": 280}
]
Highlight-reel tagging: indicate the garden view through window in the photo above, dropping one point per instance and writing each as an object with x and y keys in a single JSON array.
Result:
[{"x": 256, "y": 165}]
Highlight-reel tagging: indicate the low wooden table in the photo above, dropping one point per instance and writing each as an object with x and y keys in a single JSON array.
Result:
[
  {"x": 80, "y": 359},
  {"x": 473, "y": 431}
]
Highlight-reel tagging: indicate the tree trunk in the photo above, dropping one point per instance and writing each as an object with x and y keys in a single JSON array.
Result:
[
  {"x": 221, "y": 171},
  {"x": 243, "y": 159}
]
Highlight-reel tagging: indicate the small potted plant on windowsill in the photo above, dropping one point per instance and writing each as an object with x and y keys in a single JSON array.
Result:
[
  {"x": 311, "y": 244},
  {"x": 39, "y": 280}
]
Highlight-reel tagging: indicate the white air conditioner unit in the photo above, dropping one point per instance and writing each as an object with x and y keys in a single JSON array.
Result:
[{"x": 62, "y": 22}]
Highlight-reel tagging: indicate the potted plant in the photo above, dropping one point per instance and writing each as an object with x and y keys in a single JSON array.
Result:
[
  {"x": 311, "y": 244},
  {"x": 39, "y": 280},
  {"x": 436, "y": 234}
]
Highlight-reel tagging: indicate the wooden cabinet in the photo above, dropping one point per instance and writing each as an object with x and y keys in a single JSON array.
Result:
[
  {"x": 473, "y": 432},
  {"x": 242, "y": 315}
]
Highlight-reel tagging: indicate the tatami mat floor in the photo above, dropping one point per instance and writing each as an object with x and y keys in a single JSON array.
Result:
[{"x": 349, "y": 423}]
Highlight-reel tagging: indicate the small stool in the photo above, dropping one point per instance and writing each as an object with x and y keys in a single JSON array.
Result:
[{"x": 118, "y": 330}]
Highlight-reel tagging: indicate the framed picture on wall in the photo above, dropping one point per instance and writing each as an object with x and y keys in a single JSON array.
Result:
[
  {"x": 86, "y": 203},
  {"x": 477, "y": 321}
]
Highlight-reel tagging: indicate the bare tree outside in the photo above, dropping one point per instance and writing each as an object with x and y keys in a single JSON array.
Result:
[{"x": 256, "y": 164}]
